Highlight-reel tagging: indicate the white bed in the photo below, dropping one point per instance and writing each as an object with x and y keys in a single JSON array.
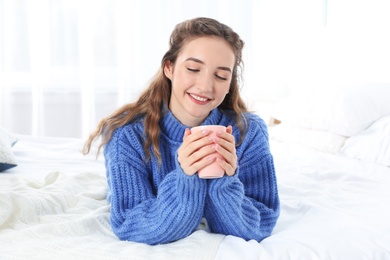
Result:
[{"x": 334, "y": 192}]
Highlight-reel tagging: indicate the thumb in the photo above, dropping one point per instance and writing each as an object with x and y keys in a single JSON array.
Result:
[
  {"x": 187, "y": 132},
  {"x": 229, "y": 129}
]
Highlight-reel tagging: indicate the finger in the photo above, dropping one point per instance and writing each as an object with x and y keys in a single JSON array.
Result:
[
  {"x": 226, "y": 140},
  {"x": 193, "y": 142},
  {"x": 198, "y": 136},
  {"x": 187, "y": 132},
  {"x": 194, "y": 148},
  {"x": 205, "y": 161},
  {"x": 227, "y": 135},
  {"x": 189, "y": 137},
  {"x": 228, "y": 145},
  {"x": 229, "y": 157},
  {"x": 229, "y": 169},
  {"x": 194, "y": 167},
  {"x": 229, "y": 129},
  {"x": 201, "y": 153}
]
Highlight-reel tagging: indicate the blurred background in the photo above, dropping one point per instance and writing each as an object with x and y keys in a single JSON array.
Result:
[{"x": 64, "y": 64}]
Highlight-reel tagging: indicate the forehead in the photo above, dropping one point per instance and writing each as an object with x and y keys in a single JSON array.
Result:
[{"x": 209, "y": 49}]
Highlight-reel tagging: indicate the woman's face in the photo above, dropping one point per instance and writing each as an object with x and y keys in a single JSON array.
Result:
[{"x": 200, "y": 78}]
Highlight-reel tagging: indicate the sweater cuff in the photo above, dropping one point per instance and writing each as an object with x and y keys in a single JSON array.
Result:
[
  {"x": 228, "y": 184},
  {"x": 189, "y": 182}
]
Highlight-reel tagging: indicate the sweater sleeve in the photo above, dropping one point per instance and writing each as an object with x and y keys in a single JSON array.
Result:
[
  {"x": 247, "y": 204},
  {"x": 141, "y": 215}
]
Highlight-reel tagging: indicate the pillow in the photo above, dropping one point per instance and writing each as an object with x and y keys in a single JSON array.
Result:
[
  {"x": 7, "y": 137},
  {"x": 373, "y": 144},
  {"x": 7, "y": 159},
  {"x": 345, "y": 111},
  {"x": 320, "y": 140}
]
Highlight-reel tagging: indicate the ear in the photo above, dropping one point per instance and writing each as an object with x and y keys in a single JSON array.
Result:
[{"x": 168, "y": 70}]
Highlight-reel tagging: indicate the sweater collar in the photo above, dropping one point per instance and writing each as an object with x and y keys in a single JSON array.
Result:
[{"x": 174, "y": 129}]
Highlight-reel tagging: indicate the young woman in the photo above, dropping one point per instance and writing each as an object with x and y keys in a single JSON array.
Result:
[{"x": 152, "y": 158}]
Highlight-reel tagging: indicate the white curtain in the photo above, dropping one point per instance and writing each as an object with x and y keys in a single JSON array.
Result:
[{"x": 64, "y": 64}]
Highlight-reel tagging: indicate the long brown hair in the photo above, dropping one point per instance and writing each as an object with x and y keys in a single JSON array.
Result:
[{"x": 150, "y": 104}]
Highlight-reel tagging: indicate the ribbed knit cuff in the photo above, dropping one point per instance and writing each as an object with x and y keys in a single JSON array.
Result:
[{"x": 229, "y": 184}]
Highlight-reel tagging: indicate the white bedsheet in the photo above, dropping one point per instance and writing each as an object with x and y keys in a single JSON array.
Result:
[
  {"x": 52, "y": 206},
  {"x": 38, "y": 156},
  {"x": 331, "y": 208}
]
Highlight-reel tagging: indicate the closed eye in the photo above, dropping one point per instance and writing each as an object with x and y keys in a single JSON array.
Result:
[
  {"x": 219, "y": 77},
  {"x": 193, "y": 70}
]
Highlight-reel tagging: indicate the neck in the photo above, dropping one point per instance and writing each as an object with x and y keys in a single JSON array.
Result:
[
  {"x": 174, "y": 128},
  {"x": 187, "y": 119}
]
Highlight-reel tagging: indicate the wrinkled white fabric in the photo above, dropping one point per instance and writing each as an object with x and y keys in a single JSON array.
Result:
[
  {"x": 332, "y": 207},
  {"x": 67, "y": 217},
  {"x": 53, "y": 206}
]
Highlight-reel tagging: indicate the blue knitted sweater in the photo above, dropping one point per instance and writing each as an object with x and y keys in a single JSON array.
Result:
[{"x": 155, "y": 204}]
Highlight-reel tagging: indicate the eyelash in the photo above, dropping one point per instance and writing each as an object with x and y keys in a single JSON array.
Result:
[
  {"x": 216, "y": 75},
  {"x": 221, "y": 78}
]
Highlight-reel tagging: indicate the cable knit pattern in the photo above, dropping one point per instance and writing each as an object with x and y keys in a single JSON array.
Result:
[{"x": 153, "y": 204}]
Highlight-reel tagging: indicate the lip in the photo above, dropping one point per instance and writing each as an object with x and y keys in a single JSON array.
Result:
[{"x": 198, "y": 100}]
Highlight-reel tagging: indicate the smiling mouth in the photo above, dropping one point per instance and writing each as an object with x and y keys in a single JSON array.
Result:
[{"x": 201, "y": 99}]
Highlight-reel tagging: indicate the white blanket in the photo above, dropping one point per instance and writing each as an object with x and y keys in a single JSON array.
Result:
[{"x": 67, "y": 216}]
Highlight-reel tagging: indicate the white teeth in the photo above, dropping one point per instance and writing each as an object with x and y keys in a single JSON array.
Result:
[{"x": 198, "y": 98}]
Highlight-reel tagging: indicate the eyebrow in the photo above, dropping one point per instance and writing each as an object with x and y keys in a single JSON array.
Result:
[{"x": 201, "y": 62}]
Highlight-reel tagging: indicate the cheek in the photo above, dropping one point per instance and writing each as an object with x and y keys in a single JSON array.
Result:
[
  {"x": 182, "y": 80},
  {"x": 220, "y": 94},
  {"x": 222, "y": 89}
]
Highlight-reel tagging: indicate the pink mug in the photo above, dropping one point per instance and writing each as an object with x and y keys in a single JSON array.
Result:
[{"x": 213, "y": 170}]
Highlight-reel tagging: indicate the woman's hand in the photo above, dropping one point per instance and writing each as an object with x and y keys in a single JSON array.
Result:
[
  {"x": 226, "y": 146},
  {"x": 194, "y": 152}
]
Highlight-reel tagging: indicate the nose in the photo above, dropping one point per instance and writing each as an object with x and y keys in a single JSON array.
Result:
[{"x": 206, "y": 83}]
